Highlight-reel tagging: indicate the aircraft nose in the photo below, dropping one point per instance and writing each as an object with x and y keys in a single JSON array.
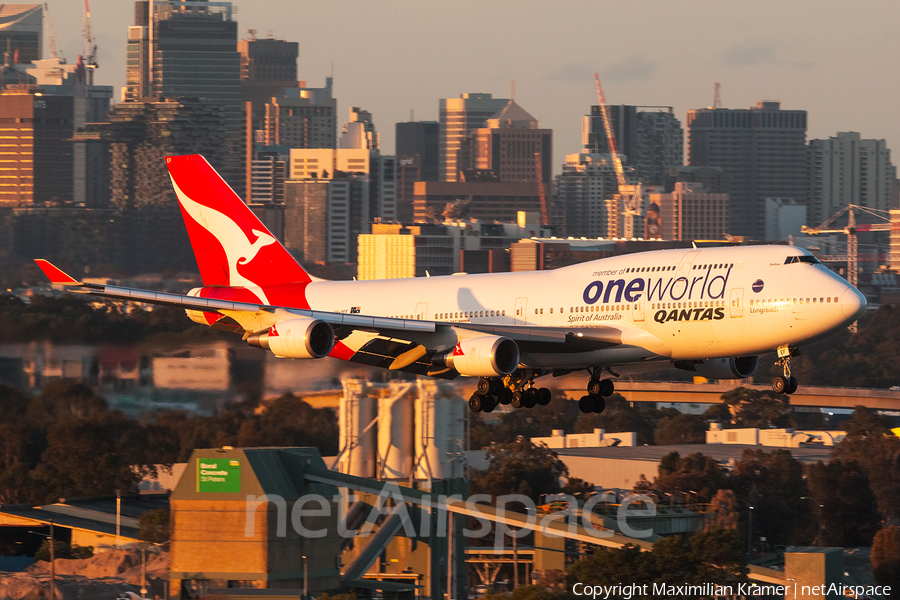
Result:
[{"x": 853, "y": 303}]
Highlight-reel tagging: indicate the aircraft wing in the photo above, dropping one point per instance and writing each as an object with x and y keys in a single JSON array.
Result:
[{"x": 393, "y": 343}]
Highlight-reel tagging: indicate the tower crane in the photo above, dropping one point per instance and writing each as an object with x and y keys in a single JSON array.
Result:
[
  {"x": 51, "y": 36},
  {"x": 90, "y": 48},
  {"x": 629, "y": 194},
  {"x": 538, "y": 167},
  {"x": 850, "y": 231}
]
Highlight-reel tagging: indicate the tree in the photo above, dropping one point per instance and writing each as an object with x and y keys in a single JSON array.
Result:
[
  {"x": 505, "y": 427},
  {"x": 520, "y": 468},
  {"x": 867, "y": 421},
  {"x": 878, "y": 453},
  {"x": 849, "y": 511},
  {"x": 696, "y": 474},
  {"x": 886, "y": 558},
  {"x": 756, "y": 408},
  {"x": 153, "y": 526},
  {"x": 681, "y": 429},
  {"x": 773, "y": 483}
]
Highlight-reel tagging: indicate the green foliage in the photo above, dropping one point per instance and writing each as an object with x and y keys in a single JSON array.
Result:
[
  {"x": 62, "y": 550},
  {"x": 714, "y": 556},
  {"x": 680, "y": 429},
  {"x": 532, "y": 592},
  {"x": 520, "y": 468},
  {"x": 850, "y": 511},
  {"x": 878, "y": 454},
  {"x": 539, "y": 421},
  {"x": 753, "y": 408},
  {"x": 153, "y": 526},
  {"x": 773, "y": 483},
  {"x": 696, "y": 474},
  {"x": 886, "y": 558},
  {"x": 867, "y": 421},
  {"x": 339, "y": 595}
]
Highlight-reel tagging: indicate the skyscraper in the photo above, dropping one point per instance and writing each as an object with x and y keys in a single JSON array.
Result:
[
  {"x": 188, "y": 49},
  {"x": 582, "y": 188},
  {"x": 762, "y": 150},
  {"x": 21, "y": 26},
  {"x": 303, "y": 118},
  {"x": 417, "y": 160},
  {"x": 650, "y": 137},
  {"x": 458, "y": 116},
  {"x": 846, "y": 169}
]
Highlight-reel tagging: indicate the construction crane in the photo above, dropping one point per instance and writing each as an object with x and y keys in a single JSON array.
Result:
[
  {"x": 51, "y": 36},
  {"x": 630, "y": 195},
  {"x": 539, "y": 170},
  {"x": 850, "y": 231},
  {"x": 90, "y": 48}
]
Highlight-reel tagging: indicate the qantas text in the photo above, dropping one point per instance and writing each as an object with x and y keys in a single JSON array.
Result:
[{"x": 698, "y": 287}]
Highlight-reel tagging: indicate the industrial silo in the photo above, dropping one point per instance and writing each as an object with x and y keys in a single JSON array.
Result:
[
  {"x": 395, "y": 430},
  {"x": 440, "y": 432},
  {"x": 357, "y": 439}
]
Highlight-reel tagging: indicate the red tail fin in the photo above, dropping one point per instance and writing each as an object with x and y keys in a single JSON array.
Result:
[{"x": 232, "y": 247}]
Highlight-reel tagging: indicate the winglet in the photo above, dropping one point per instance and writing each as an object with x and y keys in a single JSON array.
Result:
[{"x": 55, "y": 274}]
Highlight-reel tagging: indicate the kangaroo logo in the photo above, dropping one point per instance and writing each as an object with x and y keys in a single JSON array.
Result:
[{"x": 239, "y": 250}]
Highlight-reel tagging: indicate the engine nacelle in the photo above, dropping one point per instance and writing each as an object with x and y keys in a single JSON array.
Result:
[
  {"x": 736, "y": 367},
  {"x": 484, "y": 356},
  {"x": 303, "y": 337},
  {"x": 198, "y": 316}
]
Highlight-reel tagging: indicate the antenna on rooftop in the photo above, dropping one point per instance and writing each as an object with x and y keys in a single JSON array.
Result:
[
  {"x": 717, "y": 96},
  {"x": 512, "y": 89}
]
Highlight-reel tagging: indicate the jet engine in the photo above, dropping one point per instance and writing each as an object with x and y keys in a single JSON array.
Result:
[
  {"x": 303, "y": 337},
  {"x": 483, "y": 356},
  {"x": 737, "y": 367}
]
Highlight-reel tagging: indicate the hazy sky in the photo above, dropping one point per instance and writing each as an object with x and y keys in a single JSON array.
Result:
[{"x": 836, "y": 60}]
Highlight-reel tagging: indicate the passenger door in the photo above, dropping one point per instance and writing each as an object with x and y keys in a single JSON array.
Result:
[
  {"x": 737, "y": 302},
  {"x": 521, "y": 305},
  {"x": 422, "y": 311}
]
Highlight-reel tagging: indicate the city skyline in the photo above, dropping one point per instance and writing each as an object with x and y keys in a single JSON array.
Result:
[{"x": 391, "y": 58}]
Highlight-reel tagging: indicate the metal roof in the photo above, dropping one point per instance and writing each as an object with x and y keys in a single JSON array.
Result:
[{"x": 720, "y": 452}]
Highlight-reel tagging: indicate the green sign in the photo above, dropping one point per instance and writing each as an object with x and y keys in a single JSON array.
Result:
[{"x": 218, "y": 475}]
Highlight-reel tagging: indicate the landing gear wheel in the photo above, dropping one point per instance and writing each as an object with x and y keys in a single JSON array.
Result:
[
  {"x": 476, "y": 403},
  {"x": 779, "y": 384},
  {"x": 599, "y": 404},
  {"x": 586, "y": 404},
  {"x": 544, "y": 396},
  {"x": 484, "y": 386},
  {"x": 490, "y": 403},
  {"x": 593, "y": 386},
  {"x": 791, "y": 385},
  {"x": 607, "y": 387},
  {"x": 505, "y": 396},
  {"x": 531, "y": 397},
  {"x": 518, "y": 399}
]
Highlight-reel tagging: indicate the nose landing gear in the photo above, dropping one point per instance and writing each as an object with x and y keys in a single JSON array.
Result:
[{"x": 786, "y": 384}]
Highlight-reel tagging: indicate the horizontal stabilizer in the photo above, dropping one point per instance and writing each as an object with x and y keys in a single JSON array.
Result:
[{"x": 56, "y": 275}]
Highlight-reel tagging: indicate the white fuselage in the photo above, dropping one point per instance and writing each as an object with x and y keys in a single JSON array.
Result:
[{"x": 678, "y": 304}]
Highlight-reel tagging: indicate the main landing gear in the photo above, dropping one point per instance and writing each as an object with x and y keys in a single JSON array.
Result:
[
  {"x": 598, "y": 389},
  {"x": 493, "y": 391},
  {"x": 786, "y": 384}
]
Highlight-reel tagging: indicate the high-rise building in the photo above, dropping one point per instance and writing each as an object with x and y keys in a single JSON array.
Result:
[
  {"x": 650, "y": 138},
  {"x": 303, "y": 118},
  {"x": 359, "y": 131},
  {"x": 505, "y": 149},
  {"x": 21, "y": 28},
  {"x": 458, "y": 116},
  {"x": 846, "y": 169},
  {"x": 688, "y": 213},
  {"x": 268, "y": 67},
  {"x": 582, "y": 188},
  {"x": 187, "y": 49},
  {"x": 323, "y": 218},
  {"x": 141, "y": 134},
  {"x": 763, "y": 150},
  {"x": 417, "y": 160},
  {"x": 35, "y": 151}
]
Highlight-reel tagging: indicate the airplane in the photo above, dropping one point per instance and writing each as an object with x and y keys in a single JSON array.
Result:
[{"x": 710, "y": 311}]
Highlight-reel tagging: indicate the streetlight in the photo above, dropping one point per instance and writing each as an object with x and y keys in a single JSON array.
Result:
[
  {"x": 749, "y": 527},
  {"x": 821, "y": 508},
  {"x": 305, "y": 576},
  {"x": 52, "y": 559}
]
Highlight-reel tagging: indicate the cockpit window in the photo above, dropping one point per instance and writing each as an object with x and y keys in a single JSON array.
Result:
[{"x": 805, "y": 258}]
